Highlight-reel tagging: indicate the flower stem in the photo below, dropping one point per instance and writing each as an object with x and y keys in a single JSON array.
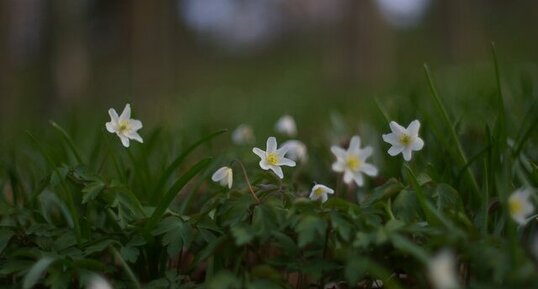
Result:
[{"x": 248, "y": 181}]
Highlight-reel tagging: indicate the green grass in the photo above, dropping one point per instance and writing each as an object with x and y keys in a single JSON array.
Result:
[{"x": 76, "y": 203}]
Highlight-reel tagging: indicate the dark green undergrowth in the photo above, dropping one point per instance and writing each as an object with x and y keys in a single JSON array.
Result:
[{"x": 75, "y": 203}]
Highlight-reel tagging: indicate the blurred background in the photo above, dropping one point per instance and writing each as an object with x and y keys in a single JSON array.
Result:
[{"x": 204, "y": 62}]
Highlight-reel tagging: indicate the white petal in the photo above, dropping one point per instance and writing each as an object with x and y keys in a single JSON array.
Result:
[
  {"x": 135, "y": 124},
  {"x": 358, "y": 178},
  {"x": 355, "y": 143},
  {"x": 391, "y": 138},
  {"x": 124, "y": 140},
  {"x": 113, "y": 116},
  {"x": 348, "y": 177},
  {"x": 396, "y": 128},
  {"x": 407, "y": 154},
  {"x": 110, "y": 127},
  {"x": 282, "y": 151},
  {"x": 271, "y": 144},
  {"x": 264, "y": 165},
  {"x": 134, "y": 135},
  {"x": 126, "y": 114},
  {"x": 286, "y": 162},
  {"x": 369, "y": 169},
  {"x": 230, "y": 178},
  {"x": 278, "y": 171},
  {"x": 259, "y": 152},
  {"x": 219, "y": 174},
  {"x": 338, "y": 166},
  {"x": 365, "y": 153},
  {"x": 338, "y": 152},
  {"x": 324, "y": 198},
  {"x": 413, "y": 127},
  {"x": 418, "y": 144},
  {"x": 313, "y": 196},
  {"x": 394, "y": 150}
]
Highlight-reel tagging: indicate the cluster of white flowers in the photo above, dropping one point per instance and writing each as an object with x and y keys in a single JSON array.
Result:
[{"x": 351, "y": 161}]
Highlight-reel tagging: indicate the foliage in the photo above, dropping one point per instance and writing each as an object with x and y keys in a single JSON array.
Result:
[{"x": 149, "y": 217}]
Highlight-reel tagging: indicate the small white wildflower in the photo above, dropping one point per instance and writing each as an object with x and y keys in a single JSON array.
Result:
[
  {"x": 520, "y": 206},
  {"x": 98, "y": 282},
  {"x": 320, "y": 192},
  {"x": 273, "y": 157},
  {"x": 223, "y": 176},
  {"x": 352, "y": 162},
  {"x": 243, "y": 134},
  {"x": 442, "y": 271},
  {"x": 296, "y": 150},
  {"x": 286, "y": 125},
  {"x": 123, "y": 126},
  {"x": 404, "y": 140}
]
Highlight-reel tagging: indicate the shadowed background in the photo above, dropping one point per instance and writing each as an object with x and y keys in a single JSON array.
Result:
[{"x": 219, "y": 63}]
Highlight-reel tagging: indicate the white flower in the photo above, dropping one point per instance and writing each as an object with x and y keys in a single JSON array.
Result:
[
  {"x": 273, "y": 158},
  {"x": 442, "y": 271},
  {"x": 123, "y": 126},
  {"x": 404, "y": 140},
  {"x": 320, "y": 192},
  {"x": 98, "y": 282},
  {"x": 519, "y": 206},
  {"x": 286, "y": 125},
  {"x": 243, "y": 134},
  {"x": 296, "y": 150},
  {"x": 224, "y": 176},
  {"x": 352, "y": 162}
]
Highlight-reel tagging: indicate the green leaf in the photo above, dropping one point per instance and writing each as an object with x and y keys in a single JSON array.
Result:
[
  {"x": 5, "y": 236},
  {"x": 179, "y": 160},
  {"x": 92, "y": 190},
  {"x": 32, "y": 277},
  {"x": 242, "y": 234},
  {"x": 224, "y": 280},
  {"x": 167, "y": 199},
  {"x": 309, "y": 229}
]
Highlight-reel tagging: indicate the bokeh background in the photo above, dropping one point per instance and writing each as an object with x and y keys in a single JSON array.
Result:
[{"x": 187, "y": 63}]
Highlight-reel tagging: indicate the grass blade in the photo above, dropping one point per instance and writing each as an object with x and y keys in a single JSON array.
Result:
[
  {"x": 167, "y": 199},
  {"x": 177, "y": 162},
  {"x": 68, "y": 140}
]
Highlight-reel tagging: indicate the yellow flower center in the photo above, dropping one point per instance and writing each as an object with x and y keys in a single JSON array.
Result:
[
  {"x": 318, "y": 192},
  {"x": 405, "y": 139},
  {"x": 515, "y": 207},
  {"x": 272, "y": 159},
  {"x": 353, "y": 162},
  {"x": 124, "y": 127}
]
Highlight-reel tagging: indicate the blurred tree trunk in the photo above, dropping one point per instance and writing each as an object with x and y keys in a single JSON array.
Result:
[
  {"x": 152, "y": 49},
  {"x": 362, "y": 48},
  {"x": 461, "y": 25},
  {"x": 70, "y": 67}
]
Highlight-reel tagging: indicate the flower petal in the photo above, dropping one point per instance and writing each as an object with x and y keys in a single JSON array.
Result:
[
  {"x": 418, "y": 144},
  {"x": 369, "y": 169},
  {"x": 271, "y": 144},
  {"x": 264, "y": 165},
  {"x": 135, "y": 124},
  {"x": 110, "y": 127},
  {"x": 230, "y": 178},
  {"x": 126, "y": 114},
  {"x": 124, "y": 140},
  {"x": 286, "y": 162},
  {"x": 219, "y": 174},
  {"x": 365, "y": 153},
  {"x": 324, "y": 198},
  {"x": 348, "y": 177},
  {"x": 113, "y": 116},
  {"x": 278, "y": 171},
  {"x": 394, "y": 150},
  {"x": 414, "y": 127},
  {"x": 407, "y": 154},
  {"x": 355, "y": 143},
  {"x": 391, "y": 138},
  {"x": 134, "y": 135},
  {"x": 338, "y": 152},
  {"x": 358, "y": 178},
  {"x": 338, "y": 166},
  {"x": 259, "y": 152},
  {"x": 396, "y": 128}
]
